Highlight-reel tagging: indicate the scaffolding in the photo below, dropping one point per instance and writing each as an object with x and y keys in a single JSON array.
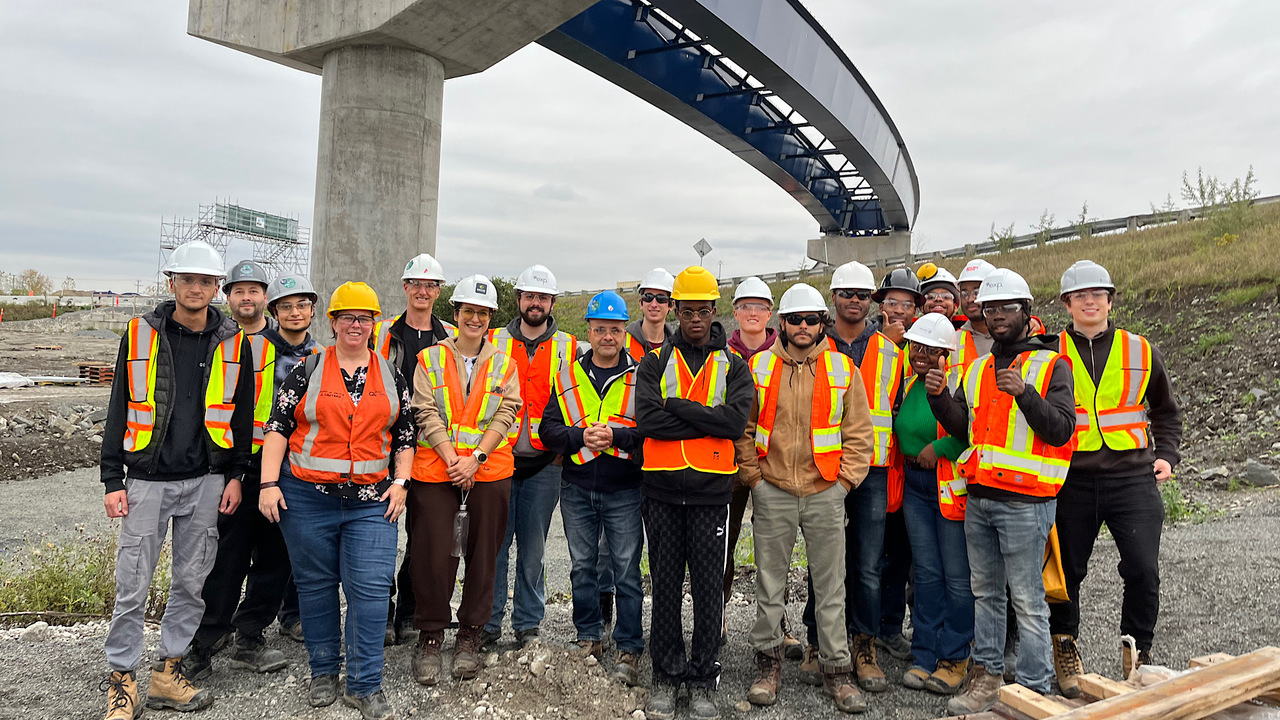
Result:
[{"x": 280, "y": 244}]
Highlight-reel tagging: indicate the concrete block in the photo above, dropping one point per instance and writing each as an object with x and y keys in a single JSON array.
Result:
[{"x": 871, "y": 251}]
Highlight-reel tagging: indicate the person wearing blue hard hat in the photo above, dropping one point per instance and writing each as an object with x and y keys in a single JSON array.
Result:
[{"x": 590, "y": 420}]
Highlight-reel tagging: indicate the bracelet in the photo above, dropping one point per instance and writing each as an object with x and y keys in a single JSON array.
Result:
[{"x": 268, "y": 485}]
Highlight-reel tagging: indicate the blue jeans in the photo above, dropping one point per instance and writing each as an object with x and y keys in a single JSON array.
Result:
[
  {"x": 533, "y": 501},
  {"x": 586, "y": 514},
  {"x": 1006, "y": 545},
  {"x": 865, "y": 509},
  {"x": 336, "y": 541},
  {"x": 942, "y": 613},
  {"x": 604, "y": 566}
]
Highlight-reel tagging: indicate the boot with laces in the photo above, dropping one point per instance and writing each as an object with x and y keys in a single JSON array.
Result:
[
  {"x": 1131, "y": 659},
  {"x": 627, "y": 669},
  {"x": 371, "y": 707},
  {"x": 870, "y": 677},
  {"x": 466, "y": 652},
  {"x": 426, "y": 661},
  {"x": 1067, "y": 665},
  {"x": 250, "y": 652},
  {"x": 947, "y": 679},
  {"x": 764, "y": 691},
  {"x": 122, "y": 696},
  {"x": 843, "y": 690},
  {"x": 584, "y": 649},
  {"x": 171, "y": 690},
  {"x": 810, "y": 670},
  {"x": 980, "y": 694}
]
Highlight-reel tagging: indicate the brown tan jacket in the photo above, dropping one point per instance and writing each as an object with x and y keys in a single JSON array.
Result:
[
  {"x": 428, "y": 418},
  {"x": 789, "y": 463}
]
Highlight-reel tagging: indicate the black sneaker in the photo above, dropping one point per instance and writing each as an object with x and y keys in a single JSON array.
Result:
[
  {"x": 489, "y": 640},
  {"x": 197, "y": 664},
  {"x": 371, "y": 707},
  {"x": 524, "y": 638},
  {"x": 251, "y": 653},
  {"x": 323, "y": 690}
]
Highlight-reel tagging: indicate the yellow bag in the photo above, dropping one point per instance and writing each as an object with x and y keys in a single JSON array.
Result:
[{"x": 1055, "y": 580}]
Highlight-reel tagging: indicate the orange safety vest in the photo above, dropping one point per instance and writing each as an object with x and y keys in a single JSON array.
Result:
[
  {"x": 953, "y": 491},
  {"x": 966, "y": 350},
  {"x": 705, "y": 454},
  {"x": 536, "y": 376},
  {"x": 581, "y": 405},
  {"x": 338, "y": 440},
  {"x": 1112, "y": 413},
  {"x": 467, "y": 416},
  {"x": 635, "y": 348},
  {"x": 1004, "y": 451},
  {"x": 832, "y": 375}
]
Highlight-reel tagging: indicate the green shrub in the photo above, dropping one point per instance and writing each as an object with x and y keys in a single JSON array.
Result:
[
  {"x": 1205, "y": 343},
  {"x": 1177, "y": 508},
  {"x": 1243, "y": 295}
]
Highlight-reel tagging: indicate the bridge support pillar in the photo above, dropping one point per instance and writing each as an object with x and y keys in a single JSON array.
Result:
[{"x": 872, "y": 251}]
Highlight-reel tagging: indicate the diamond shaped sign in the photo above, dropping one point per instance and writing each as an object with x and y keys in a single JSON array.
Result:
[{"x": 702, "y": 247}]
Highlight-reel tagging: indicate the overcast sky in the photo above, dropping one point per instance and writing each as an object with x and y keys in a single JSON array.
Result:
[{"x": 113, "y": 117}]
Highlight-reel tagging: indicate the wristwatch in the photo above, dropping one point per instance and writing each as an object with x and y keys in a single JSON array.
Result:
[
  {"x": 480, "y": 456},
  {"x": 400, "y": 481}
]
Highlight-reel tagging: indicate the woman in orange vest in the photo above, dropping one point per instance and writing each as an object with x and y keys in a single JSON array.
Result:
[
  {"x": 933, "y": 508},
  {"x": 343, "y": 419},
  {"x": 465, "y": 400}
]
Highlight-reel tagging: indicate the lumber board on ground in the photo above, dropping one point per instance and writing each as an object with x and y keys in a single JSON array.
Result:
[
  {"x": 1272, "y": 698},
  {"x": 1100, "y": 687},
  {"x": 1030, "y": 702}
]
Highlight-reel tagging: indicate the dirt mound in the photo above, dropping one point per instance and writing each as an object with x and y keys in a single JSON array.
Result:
[{"x": 42, "y": 438}]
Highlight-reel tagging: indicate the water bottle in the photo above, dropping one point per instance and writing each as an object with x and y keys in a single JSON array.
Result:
[{"x": 461, "y": 526}]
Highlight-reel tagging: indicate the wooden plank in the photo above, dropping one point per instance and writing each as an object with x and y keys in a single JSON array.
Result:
[
  {"x": 1272, "y": 698},
  {"x": 1030, "y": 702},
  {"x": 1194, "y": 695},
  {"x": 1100, "y": 687}
]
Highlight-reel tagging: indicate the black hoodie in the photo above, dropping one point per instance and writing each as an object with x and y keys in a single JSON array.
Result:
[{"x": 681, "y": 419}]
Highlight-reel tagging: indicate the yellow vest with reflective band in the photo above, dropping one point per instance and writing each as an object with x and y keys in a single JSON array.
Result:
[
  {"x": 1112, "y": 412},
  {"x": 953, "y": 490},
  {"x": 704, "y": 454},
  {"x": 882, "y": 371},
  {"x": 580, "y": 405},
  {"x": 448, "y": 391},
  {"x": 264, "y": 368},
  {"x": 536, "y": 376},
  {"x": 966, "y": 349},
  {"x": 833, "y": 372},
  {"x": 140, "y": 419}
]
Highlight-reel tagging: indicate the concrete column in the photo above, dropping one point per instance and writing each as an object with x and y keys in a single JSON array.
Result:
[{"x": 378, "y": 172}]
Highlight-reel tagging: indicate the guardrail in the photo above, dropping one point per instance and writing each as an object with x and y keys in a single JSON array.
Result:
[{"x": 991, "y": 247}]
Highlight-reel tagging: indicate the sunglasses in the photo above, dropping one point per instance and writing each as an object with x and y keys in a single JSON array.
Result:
[
  {"x": 654, "y": 297},
  {"x": 850, "y": 294},
  {"x": 812, "y": 319}
]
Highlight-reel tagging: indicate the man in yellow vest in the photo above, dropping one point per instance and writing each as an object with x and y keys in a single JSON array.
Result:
[
  {"x": 181, "y": 422},
  {"x": 1128, "y": 428},
  {"x": 1017, "y": 407},
  {"x": 692, "y": 401},
  {"x": 807, "y": 445}
]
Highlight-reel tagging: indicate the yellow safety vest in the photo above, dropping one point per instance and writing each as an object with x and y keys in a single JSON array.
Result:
[
  {"x": 581, "y": 405},
  {"x": 264, "y": 368},
  {"x": 1112, "y": 413}
]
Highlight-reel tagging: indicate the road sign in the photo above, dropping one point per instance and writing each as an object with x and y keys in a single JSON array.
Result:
[{"x": 702, "y": 247}]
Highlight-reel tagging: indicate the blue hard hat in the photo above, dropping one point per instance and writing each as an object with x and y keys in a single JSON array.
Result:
[{"x": 607, "y": 305}]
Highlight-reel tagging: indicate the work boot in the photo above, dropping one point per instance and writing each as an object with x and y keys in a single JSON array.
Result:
[
  {"x": 662, "y": 702},
  {"x": 171, "y": 690},
  {"x": 371, "y": 707},
  {"x": 870, "y": 677},
  {"x": 252, "y": 654},
  {"x": 489, "y": 639},
  {"x": 792, "y": 649},
  {"x": 627, "y": 669},
  {"x": 914, "y": 678},
  {"x": 426, "y": 661},
  {"x": 466, "y": 652},
  {"x": 584, "y": 649},
  {"x": 406, "y": 633},
  {"x": 293, "y": 631},
  {"x": 810, "y": 671},
  {"x": 841, "y": 688},
  {"x": 388, "y": 637},
  {"x": 702, "y": 704},
  {"x": 948, "y": 678},
  {"x": 606, "y": 608},
  {"x": 896, "y": 645},
  {"x": 525, "y": 638},
  {"x": 323, "y": 691},
  {"x": 1067, "y": 665},
  {"x": 981, "y": 691},
  {"x": 197, "y": 664},
  {"x": 764, "y": 691},
  {"x": 122, "y": 696},
  {"x": 1130, "y": 660}
]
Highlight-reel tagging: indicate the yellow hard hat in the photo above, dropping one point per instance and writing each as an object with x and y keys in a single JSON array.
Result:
[
  {"x": 354, "y": 296},
  {"x": 696, "y": 283}
]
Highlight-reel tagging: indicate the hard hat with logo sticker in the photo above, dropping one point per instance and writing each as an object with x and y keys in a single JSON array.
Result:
[
  {"x": 287, "y": 285},
  {"x": 932, "y": 276},
  {"x": 607, "y": 305},
  {"x": 475, "y": 290},
  {"x": 976, "y": 270},
  {"x": 1003, "y": 284},
  {"x": 538, "y": 279},
  {"x": 934, "y": 330},
  {"x": 423, "y": 267},
  {"x": 246, "y": 271}
]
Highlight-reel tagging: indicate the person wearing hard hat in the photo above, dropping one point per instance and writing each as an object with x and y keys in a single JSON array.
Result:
[
  {"x": 335, "y": 470},
  {"x": 933, "y": 508},
  {"x": 590, "y": 420},
  {"x": 972, "y": 340},
  {"x": 175, "y": 447},
  {"x": 468, "y": 395},
  {"x": 939, "y": 291},
  {"x": 399, "y": 340},
  {"x": 692, "y": 401},
  {"x": 899, "y": 298},
  {"x": 1022, "y": 404},
  {"x": 807, "y": 445},
  {"x": 538, "y": 347},
  {"x": 651, "y": 330},
  {"x": 1128, "y": 430},
  {"x": 251, "y": 551}
]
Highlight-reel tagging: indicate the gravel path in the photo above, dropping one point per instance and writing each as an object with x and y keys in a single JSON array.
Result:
[{"x": 1220, "y": 594}]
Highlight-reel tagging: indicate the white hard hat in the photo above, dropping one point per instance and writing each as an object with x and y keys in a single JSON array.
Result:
[
  {"x": 853, "y": 276},
  {"x": 801, "y": 298},
  {"x": 753, "y": 287},
  {"x": 976, "y": 271},
  {"x": 475, "y": 290},
  {"x": 659, "y": 279},
  {"x": 1084, "y": 275},
  {"x": 197, "y": 257},
  {"x": 423, "y": 267},
  {"x": 941, "y": 277},
  {"x": 934, "y": 330},
  {"x": 1003, "y": 284},
  {"x": 537, "y": 278}
]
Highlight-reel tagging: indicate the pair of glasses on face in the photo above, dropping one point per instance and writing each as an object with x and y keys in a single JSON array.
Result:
[
  {"x": 654, "y": 297},
  {"x": 203, "y": 281},
  {"x": 427, "y": 284},
  {"x": 468, "y": 313},
  {"x": 862, "y": 295},
  {"x": 1004, "y": 310},
  {"x": 797, "y": 320},
  {"x": 752, "y": 307},
  {"x": 1095, "y": 294},
  {"x": 607, "y": 331},
  {"x": 702, "y": 314},
  {"x": 349, "y": 319},
  {"x": 939, "y": 296},
  {"x": 304, "y": 305},
  {"x": 894, "y": 304},
  {"x": 933, "y": 352}
]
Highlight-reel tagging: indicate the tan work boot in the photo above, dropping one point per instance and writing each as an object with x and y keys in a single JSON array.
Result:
[
  {"x": 792, "y": 648},
  {"x": 870, "y": 677},
  {"x": 426, "y": 661},
  {"x": 981, "y": 691},
  {"x": 1068, "y": 666},
  {"x": 466, "y": 653},
  {"x": 1131, "y": 659},
  {"x": 841, "y": 688},
  {"x": 584, "y": 649},
  {"x": 171, "y": 690},
  {"x": 122, "y": 696},
  {"x": 947, "y": 679},
  {"x": 810, "y": 671},
  {"x": 764, "y": 691}
]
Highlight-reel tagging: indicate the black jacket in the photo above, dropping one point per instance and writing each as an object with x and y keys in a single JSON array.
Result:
[
  {"x": 415, "y": 341},
  {"x": 180, "y": 447},
  {"x": 856, "y": 349},
  {"x": 1162, "y": 410},
  {"x": 681, "y": 419},
  {"x": 1052, "y": 417},
  {"x": 605, "y": 473}
]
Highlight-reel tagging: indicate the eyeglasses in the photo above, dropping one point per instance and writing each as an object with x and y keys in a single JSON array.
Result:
[
  {"x": 290, "y": 307},
  {"x": 969, "y": 293},
  {"x": 863, "y": 295},
  {"x": 470, "y": 312},
  {"x": 539, "y": 297},
  {"x": 933, "y": 352},
  {"x": 428, "y": 284},
  {"x": 895, "y": 304},
  {"x": 751, "y": 307},
  {"x": 1005, "y": 309},
  {"x": 607, "y": 331},
  {"x": 703, "y": 313},
  {"x": 796, "y": 319},
  {"x": 349, "y": 319},
  {"x": 1095, "y": 294},
  {"x": 654, "y": 297},
  {"x": 939, "y": 296},
  {"x": 203, "y": 281}
]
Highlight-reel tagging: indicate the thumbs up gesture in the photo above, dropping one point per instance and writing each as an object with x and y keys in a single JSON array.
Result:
[
  {"x": 936, "y": 381},
  {"x": 1009, "y": 380}
]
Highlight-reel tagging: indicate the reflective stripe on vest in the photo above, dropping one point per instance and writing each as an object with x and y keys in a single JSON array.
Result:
[
  {"x": 1112, "y": 412},
  {"x": 382, "y": 336},
  {"x": 882, "y": 372},
  {"x": 833, "y": 372},
  {"x": 953, "y": 490},
  {"x": 1004, "y": 451},
  {"x": 264, "y": 359},
  {"x": 966, "y": 350},
  {"x": 580, "y": 405},
  {"x": 338, "y": 440},
  {"x": 536, "y": 376},
  {"x": 220, "y": 393},
  {"x": 705, "y": 454},
  {"x": 140, "y": 419},
  {"x": 466, "y": 416}
]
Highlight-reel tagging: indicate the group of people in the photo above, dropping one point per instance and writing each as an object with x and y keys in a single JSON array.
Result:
[{"x": 924, "y": 454}]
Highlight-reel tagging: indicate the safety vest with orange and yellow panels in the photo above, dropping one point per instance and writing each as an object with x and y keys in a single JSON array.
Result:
[
  {"x": 536, "y": 376},
  {"x": 705, "y": 454},
  {"x": 882, "y": 371},
  {"x": 467, "y": 416},
  {"x": 833, "y": 372},
  {"x": 1112, "y": 412},
  {"x": 264, "y": 367},
  {"x": 953, "y": 491},
  {"x": 966, "y": 350},
  {"x": 580, "y": 405}
]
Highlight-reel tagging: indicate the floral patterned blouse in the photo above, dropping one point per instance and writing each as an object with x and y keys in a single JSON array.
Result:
[{"x": 283, "y": 421}]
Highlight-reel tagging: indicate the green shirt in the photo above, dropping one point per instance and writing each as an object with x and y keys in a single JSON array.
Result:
[{"x": 916, "y": 427}]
